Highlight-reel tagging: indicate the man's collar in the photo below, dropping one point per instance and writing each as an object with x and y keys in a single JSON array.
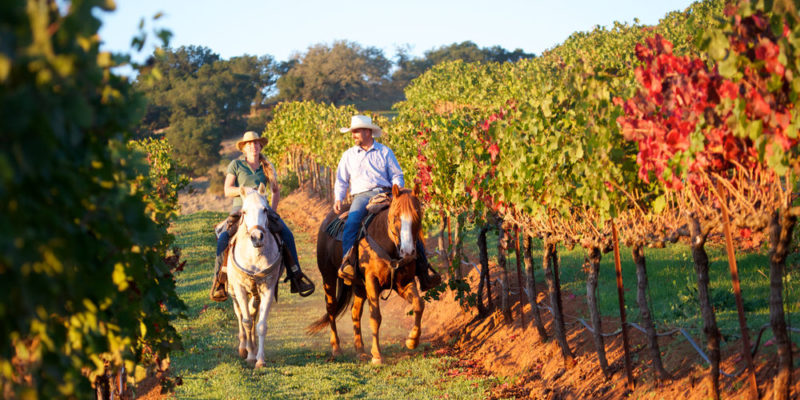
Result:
[{"x": 360, "y": 149}]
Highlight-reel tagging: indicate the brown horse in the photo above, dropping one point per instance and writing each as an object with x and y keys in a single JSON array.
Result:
[{"x": 391, "y": 267}]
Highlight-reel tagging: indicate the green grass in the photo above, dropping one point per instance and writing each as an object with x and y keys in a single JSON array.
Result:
[
  {"x": 297, "y": 365},
  {"x": 672, "y": 284}
]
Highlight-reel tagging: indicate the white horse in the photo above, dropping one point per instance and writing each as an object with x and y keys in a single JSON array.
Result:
[{"x": 254, "y": 266}]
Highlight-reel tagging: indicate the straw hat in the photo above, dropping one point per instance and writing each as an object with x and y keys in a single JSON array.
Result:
[
  {"x": 251, "y": 136},
  {"x": 363, "y": 121}
]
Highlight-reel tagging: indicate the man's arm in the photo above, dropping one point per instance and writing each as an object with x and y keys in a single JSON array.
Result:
[{"x": 394, "y": 170}]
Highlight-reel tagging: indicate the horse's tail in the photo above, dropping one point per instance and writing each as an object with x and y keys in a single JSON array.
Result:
[{"x": 344, "y": 294}]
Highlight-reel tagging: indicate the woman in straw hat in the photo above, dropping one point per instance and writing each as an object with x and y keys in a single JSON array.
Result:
[{"x": 250, "y": 171}]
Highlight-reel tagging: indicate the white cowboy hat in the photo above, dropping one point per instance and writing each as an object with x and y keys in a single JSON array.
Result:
[
  {"x": 363, "y": 121},
  {"x": 251, "y": 136}
]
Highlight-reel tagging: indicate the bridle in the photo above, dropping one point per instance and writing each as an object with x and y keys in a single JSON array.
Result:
[
  {"x": 249, "y": 230},
  {"x": 394, "y": 263},
  {"x": 252, "y": 228}
]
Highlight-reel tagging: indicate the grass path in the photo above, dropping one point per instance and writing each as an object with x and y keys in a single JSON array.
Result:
[{"x": 298, "y": 366}]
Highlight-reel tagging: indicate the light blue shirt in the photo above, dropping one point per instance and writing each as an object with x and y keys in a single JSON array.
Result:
[{"x": 364, "y": 170}]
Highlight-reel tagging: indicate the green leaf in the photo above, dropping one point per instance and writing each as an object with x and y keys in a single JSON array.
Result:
[
  {"x": 718, "y": 46},
  {"x": 659, "y": 204},
  {"x": 728, "y": 67}
]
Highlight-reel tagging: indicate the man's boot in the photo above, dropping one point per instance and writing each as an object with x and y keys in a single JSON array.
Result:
[
  {"x": 347, "y": 270},
  {"x": 298, "y": 281},
  {"x": 218, "y": 292},
  {"x": 426, "y": 281}
]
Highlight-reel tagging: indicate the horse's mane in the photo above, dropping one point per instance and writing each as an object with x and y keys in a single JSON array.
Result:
[{"x": 404, "y": 204}]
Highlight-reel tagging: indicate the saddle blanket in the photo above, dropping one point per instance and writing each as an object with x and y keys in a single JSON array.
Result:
[{"x": 376, "y": 204}]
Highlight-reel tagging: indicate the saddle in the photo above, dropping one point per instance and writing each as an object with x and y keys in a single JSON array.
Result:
[
  {"x": 231, "y": 225},
  {"x": 376, "y": 204}
]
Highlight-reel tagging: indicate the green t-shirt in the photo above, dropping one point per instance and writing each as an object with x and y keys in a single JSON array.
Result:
[{"x": 246, "y": 177}]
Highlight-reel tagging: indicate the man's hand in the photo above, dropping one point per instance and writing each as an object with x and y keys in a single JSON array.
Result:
[{"x": 337, "y": 206}]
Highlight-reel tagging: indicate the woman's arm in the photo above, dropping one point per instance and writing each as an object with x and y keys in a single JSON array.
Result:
[
  {"x": 230, "y": 189},
  {"x": 272, "y": 176},
  {"x": 276, "y": 197}
]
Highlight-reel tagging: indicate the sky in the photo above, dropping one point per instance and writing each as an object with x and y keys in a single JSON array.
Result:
[{"x": 281, "y": 29}]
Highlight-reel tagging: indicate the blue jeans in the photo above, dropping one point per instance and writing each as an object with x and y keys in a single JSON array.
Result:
[
  {"x": 286, "y": 235},
  {"x": 358, "y": 210}
]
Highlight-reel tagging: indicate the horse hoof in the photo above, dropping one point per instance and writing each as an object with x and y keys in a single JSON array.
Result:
[
  {"x": 363, "y": 356},
  {"x": 336, "y": 352},
  {"x": 411, "y": 344},
  {"x": 251, "y": 361},
  {"x": 243, "y": 353},
  {"x": 377, "y": 360},
  {"x": 260, "y": 364}
]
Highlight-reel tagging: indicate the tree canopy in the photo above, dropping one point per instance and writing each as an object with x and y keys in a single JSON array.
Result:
[
  {"x": 342, "y": 73},
  {"x": 201, "y": 98}
]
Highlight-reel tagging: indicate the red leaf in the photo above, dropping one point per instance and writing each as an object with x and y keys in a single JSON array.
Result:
[
  {"x": 766, "y": 49},
  {"x": 494, "y": 150}
]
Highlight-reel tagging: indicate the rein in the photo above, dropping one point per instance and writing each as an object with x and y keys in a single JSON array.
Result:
[{"x": 394, "y": 263}]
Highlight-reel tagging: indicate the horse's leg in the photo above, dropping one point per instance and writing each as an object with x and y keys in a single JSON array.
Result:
[
  {"x": 411, "y": 295},
  {"x": 330, "y": 307},
  {"x": 358, "y": 308},
  {"x": 373, "y": 294},
  {"x": 252, "y": 314},
  {"x": 242, "y": 313},
  {"x": 267, "y": 297}
]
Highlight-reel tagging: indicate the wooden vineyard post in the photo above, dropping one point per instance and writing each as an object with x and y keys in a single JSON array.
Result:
[
  {"x": 532, "y": 288},
  {"x": 457, "y": 249},
  {"x": 737, "y": 292},
  {"x": 332, "y": 180},
  {"x": 637, "y": 252},
  {"x": 519, "y": 277},
  {"x": 550, "y": 265},
  {"x": 592, "y": 268},
  {"x": 502, "y": 246},
  {"x": 621, "y": 294},
  {"x": 483, "y": 281},
  {"x": 700, "y": 257}
]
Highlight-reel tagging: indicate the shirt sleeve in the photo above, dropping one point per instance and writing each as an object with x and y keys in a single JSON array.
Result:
[
  {"x": 393, "y": 168},
  {"x": 342, "y": 179},
  {"x": 233, "y": 168}
]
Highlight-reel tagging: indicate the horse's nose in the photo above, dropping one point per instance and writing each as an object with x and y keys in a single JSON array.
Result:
[
  {"x": 406, "y": 250},
  {"x": 257, "y": 238}
]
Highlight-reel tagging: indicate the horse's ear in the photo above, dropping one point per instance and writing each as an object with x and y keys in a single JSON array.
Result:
[
  {"x": 395, "y": 190},
  {"x": 262, "y": 190},
  {"x": 415, "y": 191}
]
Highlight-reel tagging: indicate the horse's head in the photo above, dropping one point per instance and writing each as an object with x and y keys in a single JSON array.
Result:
[
  {"x": 405, "y": 220},
  {"x": 254, "y": 213}
]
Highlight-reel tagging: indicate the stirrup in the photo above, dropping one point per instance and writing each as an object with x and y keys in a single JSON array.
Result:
[
  {"x": 345, "y": 275},
  {"x": 218, "y": 293},
  {"x": 302, "y": 285}
]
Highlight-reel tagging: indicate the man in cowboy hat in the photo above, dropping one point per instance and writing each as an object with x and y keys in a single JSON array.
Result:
[
  {"x": 369, "y": 168},
  {"x": 250, "y": 171}
]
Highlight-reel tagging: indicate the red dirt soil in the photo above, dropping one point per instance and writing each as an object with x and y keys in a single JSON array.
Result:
[{"x": 534, "y": 369}]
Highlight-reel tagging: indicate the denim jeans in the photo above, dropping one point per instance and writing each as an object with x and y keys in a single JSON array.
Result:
[
  {"x": 286, "y": 235},
  {"x": 358, "y": 210}
]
